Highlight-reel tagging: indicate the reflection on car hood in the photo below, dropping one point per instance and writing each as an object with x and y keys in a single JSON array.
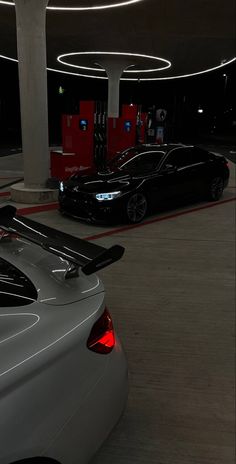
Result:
[{"x": 100, "y": 182}]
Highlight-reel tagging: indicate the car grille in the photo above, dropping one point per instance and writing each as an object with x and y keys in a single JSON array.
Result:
[{"x": 78, "y": 196}]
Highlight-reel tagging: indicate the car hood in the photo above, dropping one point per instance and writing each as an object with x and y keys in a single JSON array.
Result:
[{"x": 100, "y": 182}]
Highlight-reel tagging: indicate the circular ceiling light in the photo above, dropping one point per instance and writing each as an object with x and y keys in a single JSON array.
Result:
[
  {"x": 205, "y": 71},
  {"x": 129, "y": 55},
  {"x": 107, "y": 4}
]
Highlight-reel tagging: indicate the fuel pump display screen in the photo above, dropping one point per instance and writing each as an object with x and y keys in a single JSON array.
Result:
[
  {"x": 83, "y": 124},
  {"x": 128, "y": 126}
]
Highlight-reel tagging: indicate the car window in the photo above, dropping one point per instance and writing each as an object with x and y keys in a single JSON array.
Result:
[
  {"x": 183, "y": 157},
  {"x": 199, "y": 154},
  {"x": 146, "y": 161},
  {"x": 15, "y": 288},
  {"x": 122, "y": 158}
]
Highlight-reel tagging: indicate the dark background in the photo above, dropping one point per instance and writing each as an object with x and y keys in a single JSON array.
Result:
[{"x": 213, "y": 92}]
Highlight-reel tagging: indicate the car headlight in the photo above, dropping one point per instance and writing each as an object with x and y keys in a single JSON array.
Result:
[
  {"x": 107, "y": 196},
  {"x": 61, "y": 186}
]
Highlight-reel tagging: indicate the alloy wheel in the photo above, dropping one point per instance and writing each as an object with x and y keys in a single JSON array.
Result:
[
  {"x": 216, "y": 188},
  {"x": 136, "y": 207}
]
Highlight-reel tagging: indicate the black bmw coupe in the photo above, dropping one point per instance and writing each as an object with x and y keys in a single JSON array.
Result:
[{"x": 141, "y": 178}]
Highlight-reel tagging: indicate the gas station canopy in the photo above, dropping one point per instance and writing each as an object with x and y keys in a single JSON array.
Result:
[{"x": 163, "y": 39}]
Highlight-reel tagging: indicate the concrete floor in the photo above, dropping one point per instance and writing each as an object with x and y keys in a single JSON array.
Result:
[{"x": 172, "y": 298}]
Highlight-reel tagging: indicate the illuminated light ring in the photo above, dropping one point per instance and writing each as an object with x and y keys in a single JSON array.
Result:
[
  {"x": 132, "y": 79},
  {"x": 21, "y": 331},
  {"x": 7, "y": 3},
  {"x": 136, "y": 55},
  {"x": 80, "y": 8}
]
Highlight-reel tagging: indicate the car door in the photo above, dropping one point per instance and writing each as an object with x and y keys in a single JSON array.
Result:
[
  {"x": 174, "y": 173},
  {"x": 201, "y": 163},
  {"x": 182, "y": 170},
  {"x": 146, "y": 168}
]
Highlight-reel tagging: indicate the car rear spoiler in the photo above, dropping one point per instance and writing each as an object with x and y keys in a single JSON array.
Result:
[{"x": 82, "y": 254}]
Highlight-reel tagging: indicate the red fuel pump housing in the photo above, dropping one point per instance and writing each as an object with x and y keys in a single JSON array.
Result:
[
  {"x": 121, "y": 132},
  {"x": 77, "y": 143},
  {"x": 78, "y": 132}
]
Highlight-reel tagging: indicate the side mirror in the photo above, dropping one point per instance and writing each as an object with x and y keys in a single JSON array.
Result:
[{"x": 169, "y": 168}]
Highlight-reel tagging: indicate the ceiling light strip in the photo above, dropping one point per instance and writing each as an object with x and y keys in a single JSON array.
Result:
[
  {"x": 135, "y": 55},
  {"x": 66, "y": 8},
  {"x": 191, "y": 74},
  {"x": 7, "y": 3},
  {"x": 132, "y": 79}
]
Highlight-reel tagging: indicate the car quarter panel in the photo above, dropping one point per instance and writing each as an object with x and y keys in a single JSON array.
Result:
[
  {"x": 93, "y": 420},
  {"x": 46, "y": 374}
]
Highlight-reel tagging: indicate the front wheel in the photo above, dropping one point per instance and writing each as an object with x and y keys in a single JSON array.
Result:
[
  {"x": 136, "y": 208},
  {"x": 216, "y": 188}
]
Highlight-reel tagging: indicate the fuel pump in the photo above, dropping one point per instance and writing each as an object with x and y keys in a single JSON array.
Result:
[{"x": 100, "y": 134}]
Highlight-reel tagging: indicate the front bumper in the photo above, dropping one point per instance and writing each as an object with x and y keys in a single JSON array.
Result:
[{"x": 90, "y": 209}]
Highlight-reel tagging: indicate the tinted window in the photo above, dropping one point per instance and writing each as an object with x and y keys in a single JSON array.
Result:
[
  {"x": 15, "y": 288},
  {"x": 183, "y": 157},
  {"x": 200, "y": 155},
  {"x": 123, "y": 157},
  {"x": 146, "y": 161}
]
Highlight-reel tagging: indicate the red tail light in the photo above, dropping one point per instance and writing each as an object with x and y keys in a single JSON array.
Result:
[{"x": 102, "y": 337}]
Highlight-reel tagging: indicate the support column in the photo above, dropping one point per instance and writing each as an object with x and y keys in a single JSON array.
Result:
[
  {"x": 114, "y": 69},
  {"x": 31, "y": 46}
]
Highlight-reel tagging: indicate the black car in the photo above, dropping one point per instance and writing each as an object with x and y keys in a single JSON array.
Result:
[{"x": 141, "y": 178}]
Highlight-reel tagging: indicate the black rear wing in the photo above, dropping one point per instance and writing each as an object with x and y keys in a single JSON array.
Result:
[{"x": 88, "y": 256}]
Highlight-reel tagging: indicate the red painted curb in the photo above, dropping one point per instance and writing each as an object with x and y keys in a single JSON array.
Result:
[
  {"x": 37, "y": 209},
  {"x": 53, "y": 206},
  {"x": 4, "y": 194},
  {"x": 159, "y": 219}
]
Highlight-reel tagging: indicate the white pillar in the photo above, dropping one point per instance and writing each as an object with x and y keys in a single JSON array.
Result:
[
  {"x": 114, "y": 70},
  {"x": 31, "y": 46}
]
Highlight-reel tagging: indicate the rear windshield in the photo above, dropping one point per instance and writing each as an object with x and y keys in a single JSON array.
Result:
[{"x": 15, "y": 288}]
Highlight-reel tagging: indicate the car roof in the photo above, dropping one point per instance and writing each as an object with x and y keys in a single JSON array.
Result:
[{"x": 164, "y": 147}]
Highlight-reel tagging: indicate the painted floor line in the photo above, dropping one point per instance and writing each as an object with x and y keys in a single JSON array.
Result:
[
  {"x": 4, "y": 194},
  {"x": 37, "y": 209},
  {"x": 52, "y": 206},
  {"x": 159, "y": 219}
]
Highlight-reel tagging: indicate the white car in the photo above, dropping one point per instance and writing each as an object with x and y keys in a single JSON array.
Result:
[{"x": 63, "y": 373}]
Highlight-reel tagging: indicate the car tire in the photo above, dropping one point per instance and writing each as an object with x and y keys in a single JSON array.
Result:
[
  {"x": 136, "y": 208},
  {"x": 216, "y": 188}
]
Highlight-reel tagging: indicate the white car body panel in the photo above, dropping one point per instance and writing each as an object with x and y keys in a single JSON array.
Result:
[{"x": 58, "y": 399}]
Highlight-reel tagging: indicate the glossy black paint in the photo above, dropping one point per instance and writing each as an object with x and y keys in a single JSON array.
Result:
[{"x": 162, "y": 173}]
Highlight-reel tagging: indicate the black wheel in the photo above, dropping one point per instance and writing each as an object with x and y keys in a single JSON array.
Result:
[
  {"x": 136, "y": 208},
  {"x": 216, "y": 188}
]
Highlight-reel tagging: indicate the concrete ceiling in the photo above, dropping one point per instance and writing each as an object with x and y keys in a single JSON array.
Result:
[{"x": 194, "y": 35}]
